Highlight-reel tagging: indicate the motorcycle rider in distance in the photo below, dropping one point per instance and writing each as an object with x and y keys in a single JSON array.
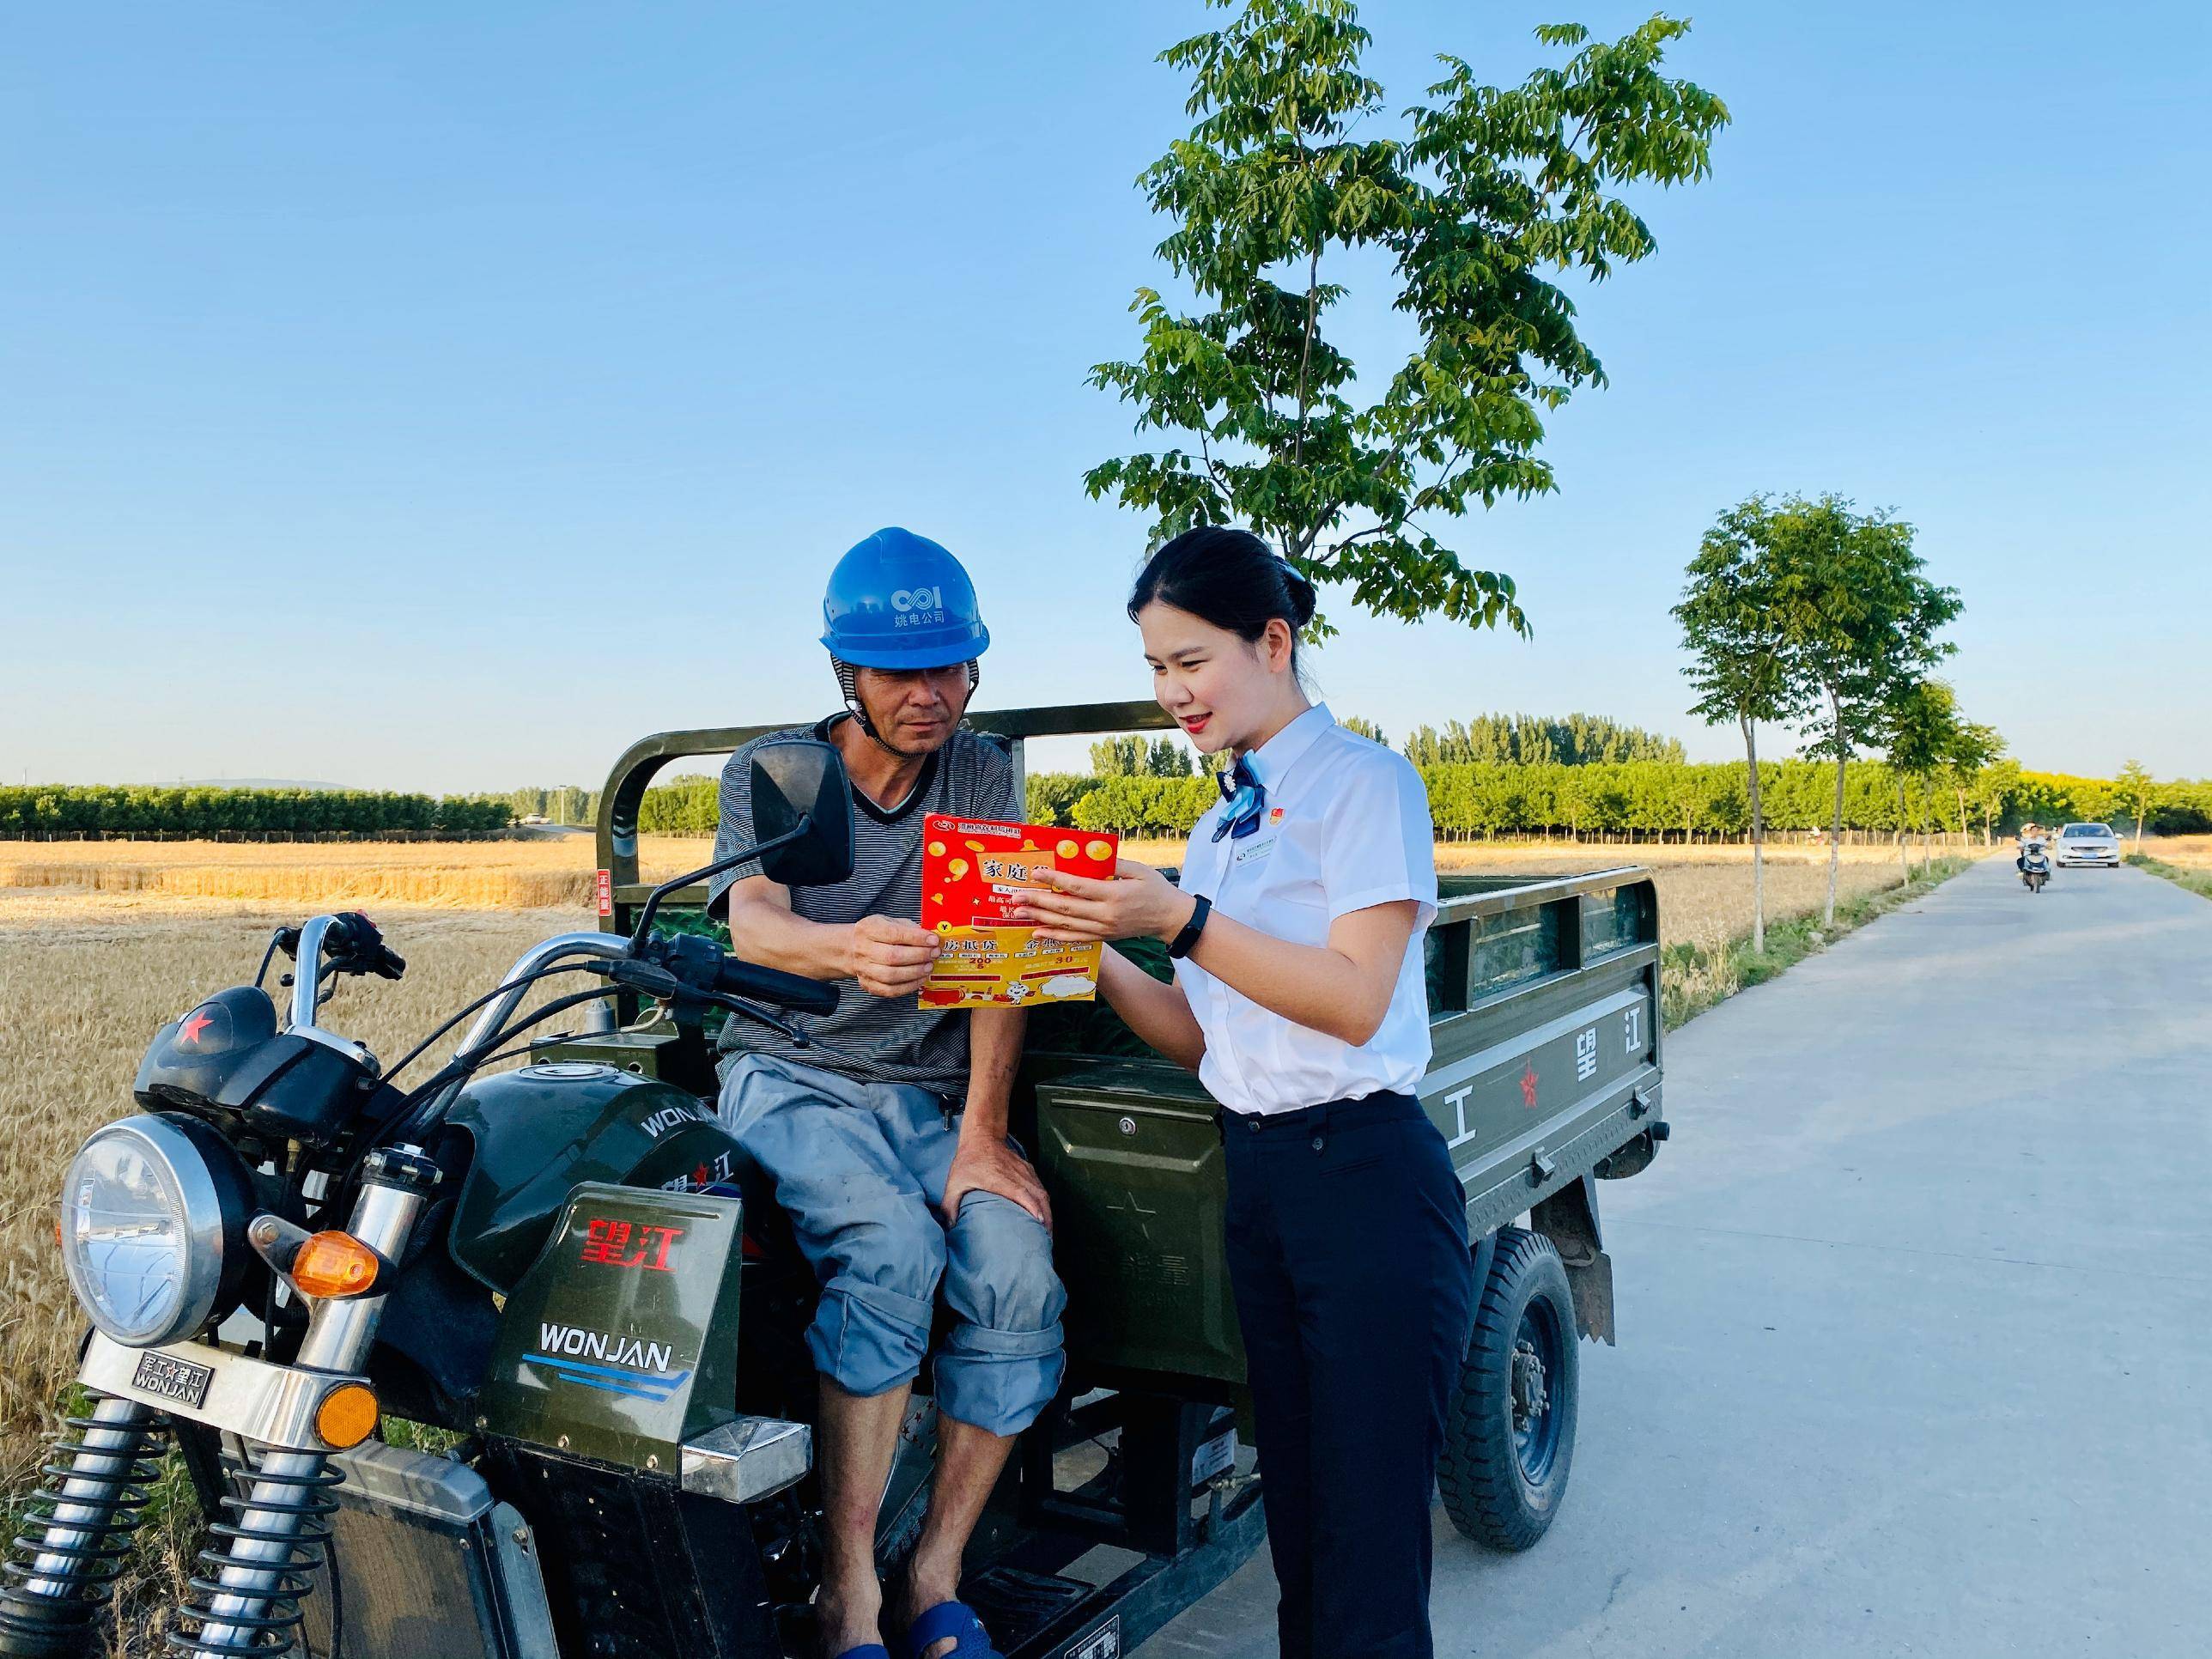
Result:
[{"x": 888, "y": 1145}]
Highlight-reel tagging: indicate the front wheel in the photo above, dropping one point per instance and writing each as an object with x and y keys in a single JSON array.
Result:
[{"x": 1510, "y": 1433}]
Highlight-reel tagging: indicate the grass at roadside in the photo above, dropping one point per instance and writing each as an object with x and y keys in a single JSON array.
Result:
[
  {"x": 2197, "y": 881},
  {"x": 1694, "y": 977}
]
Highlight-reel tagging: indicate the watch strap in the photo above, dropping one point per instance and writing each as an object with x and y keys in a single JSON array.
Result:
[{"x": 1185, "y": 942}]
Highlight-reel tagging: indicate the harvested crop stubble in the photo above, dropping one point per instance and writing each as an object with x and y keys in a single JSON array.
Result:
[
  {"x": 79, "y": 1001},
  {"x": 509, "y": 875},
  {"x": 2189, "y": 852}
]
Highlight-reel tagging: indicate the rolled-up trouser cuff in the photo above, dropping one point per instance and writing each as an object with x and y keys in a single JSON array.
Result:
[
  {"x": 868, "y": 1339},
  {"x": 999, "y": 1381}
]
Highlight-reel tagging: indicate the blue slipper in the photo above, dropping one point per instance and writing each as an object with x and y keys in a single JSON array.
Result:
[{"x": 954, "y": 1619}]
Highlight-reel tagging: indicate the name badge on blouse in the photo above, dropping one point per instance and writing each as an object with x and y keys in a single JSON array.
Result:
[{"x": 1258, "y": 848}]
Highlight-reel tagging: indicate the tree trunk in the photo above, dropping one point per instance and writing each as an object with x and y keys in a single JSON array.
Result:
[
  {"x": 1836, "y": 830},
  {"x": 1757, "y": 844},
  {"x": 1903, "y": 858}
]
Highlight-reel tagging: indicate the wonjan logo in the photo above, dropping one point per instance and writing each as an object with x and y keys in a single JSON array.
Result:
[{"x": 613, "y": 1365}]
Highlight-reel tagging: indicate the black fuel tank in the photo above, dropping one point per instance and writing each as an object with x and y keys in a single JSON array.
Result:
[{"x": 539, "y": 1131}]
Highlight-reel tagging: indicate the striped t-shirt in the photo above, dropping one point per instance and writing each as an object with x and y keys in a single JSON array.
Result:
[{"x": 872, "y": 1039}]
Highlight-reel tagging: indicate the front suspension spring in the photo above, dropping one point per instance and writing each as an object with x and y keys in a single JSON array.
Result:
[
  {"x": 59, "y": 1570},
  {"x": 245, "y": 1602}
]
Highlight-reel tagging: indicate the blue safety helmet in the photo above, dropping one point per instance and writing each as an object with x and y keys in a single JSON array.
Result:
[{"x": 899, "y": 600}]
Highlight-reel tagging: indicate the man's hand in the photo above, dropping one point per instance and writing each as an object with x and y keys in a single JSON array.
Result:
[
  {"x": 983, "y": 1165},
  {"x": 891, "y": 958}
]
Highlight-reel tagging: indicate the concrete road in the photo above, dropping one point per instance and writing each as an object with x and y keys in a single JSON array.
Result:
[{"x": 1914, "y": 1315}]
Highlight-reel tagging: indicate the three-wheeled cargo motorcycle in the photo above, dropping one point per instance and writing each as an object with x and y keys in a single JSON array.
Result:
[{"x": 572, "y": 1275}]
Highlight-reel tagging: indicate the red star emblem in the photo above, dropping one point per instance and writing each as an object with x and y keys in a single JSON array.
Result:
[
  {"x": 701, "y": 1175},
  {"x": 1528, "y": 1086},
  {"x": 200, "y": 1020}
]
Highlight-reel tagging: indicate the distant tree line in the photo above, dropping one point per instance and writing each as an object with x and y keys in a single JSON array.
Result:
[
  {"x": 1670, "y": 800},
  {"x": 1642, "y": 800},
  {"x": 567, "y": 803},
  {"x": 1131, "y": 757},
  {"x": 1528, "y": 740},
  {"x": 43, "y": 811}
]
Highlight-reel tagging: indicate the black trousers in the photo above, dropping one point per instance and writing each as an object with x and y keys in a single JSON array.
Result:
[{"x": 1348, "y": 1251}]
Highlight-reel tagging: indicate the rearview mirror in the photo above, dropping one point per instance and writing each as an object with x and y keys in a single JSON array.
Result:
[{"x": 795, "y": 779}]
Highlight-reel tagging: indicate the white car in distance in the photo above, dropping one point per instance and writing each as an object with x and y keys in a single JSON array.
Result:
[{"x": 2086, "y": 843}]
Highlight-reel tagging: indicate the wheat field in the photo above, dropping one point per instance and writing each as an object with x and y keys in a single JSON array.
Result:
[
  {"x": 81, "y": 996},
  {"x": 2189, "y": 852},
  {"x": 491, "y": 875}
]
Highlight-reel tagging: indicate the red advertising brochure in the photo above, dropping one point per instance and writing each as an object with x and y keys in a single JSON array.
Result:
[{"x": 973, "y": 871}]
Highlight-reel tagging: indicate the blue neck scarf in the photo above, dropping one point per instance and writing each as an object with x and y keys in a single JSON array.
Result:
[{"x": 1247, "y": 796}]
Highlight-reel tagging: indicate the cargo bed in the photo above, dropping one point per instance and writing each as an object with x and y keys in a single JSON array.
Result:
[{"x": 1543, "y": 1008}]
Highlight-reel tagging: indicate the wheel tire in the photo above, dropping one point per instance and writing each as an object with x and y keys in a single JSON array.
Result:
[{"x": 1503, "y": 1473}]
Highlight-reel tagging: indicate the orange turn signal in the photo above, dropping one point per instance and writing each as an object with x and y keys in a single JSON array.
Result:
[
  {"x": 347, "y": 1416},
  {"x": 334, "y": 1264}
]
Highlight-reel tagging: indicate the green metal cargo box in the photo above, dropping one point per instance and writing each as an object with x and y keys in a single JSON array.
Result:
[{"x": 1543, "y": 1007}]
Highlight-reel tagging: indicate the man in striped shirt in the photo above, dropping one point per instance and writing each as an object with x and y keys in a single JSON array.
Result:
[{"x": 888, "y": 1142}]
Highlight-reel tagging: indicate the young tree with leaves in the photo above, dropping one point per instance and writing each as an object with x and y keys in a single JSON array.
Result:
[
  {"x": 1923, "y": 735},
  {"x": 1974, "y": 749},
  {"x": 1735, "y": 632},
  {"x": 1862, "y": 621},
  {"x": 2137, "y": 788},
  {"x": 1479, "y": 201}
]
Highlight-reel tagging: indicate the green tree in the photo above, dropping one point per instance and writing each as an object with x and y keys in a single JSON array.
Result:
[
  {"x": 2135, "y": 787},
  {"x": 1167, "y": 758},
  {"x": 1117, "y": 757},
  {"x": 1365, "y": 728},
  {"x": 1482, "y": 199},
  {"x": 1995, "y": 785},
  {"x": 1973, "y": 749},
  {"x": 1738, "y": 639},
  {"x": 1862, "y": 621},
  {"x": 1922, "y": 734}
]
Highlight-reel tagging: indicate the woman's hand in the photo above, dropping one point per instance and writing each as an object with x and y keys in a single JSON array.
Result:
[{"x": 1140, "y": 902}]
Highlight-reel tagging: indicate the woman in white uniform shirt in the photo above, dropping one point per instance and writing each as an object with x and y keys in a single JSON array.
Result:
[{"x": 1299, "y": 998}]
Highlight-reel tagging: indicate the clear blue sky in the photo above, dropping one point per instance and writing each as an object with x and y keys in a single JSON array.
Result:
[{"x": 442, "y": 397}]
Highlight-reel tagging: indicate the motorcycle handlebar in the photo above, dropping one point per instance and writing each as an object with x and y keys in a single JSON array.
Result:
[{"x": 772, "y": 985}]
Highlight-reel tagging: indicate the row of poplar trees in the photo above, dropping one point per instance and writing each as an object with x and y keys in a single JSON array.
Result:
[{"x": 1809, "y": 614}]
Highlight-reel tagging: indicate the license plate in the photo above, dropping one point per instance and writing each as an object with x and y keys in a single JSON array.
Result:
[{"x": 173, "y": 1378}]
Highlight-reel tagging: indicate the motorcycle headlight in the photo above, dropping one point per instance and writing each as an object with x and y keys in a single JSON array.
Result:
[{"x": 152, "y": 1227}]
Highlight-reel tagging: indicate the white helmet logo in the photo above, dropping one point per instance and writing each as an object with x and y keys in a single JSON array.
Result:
[{"x": 918, "y": 598}]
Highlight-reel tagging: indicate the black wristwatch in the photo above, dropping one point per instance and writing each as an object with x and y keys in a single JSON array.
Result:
[{"x": 1186, "y": 941}]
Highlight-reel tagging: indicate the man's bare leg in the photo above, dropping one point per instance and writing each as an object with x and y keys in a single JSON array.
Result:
[
  {"x": 859, "y": 1437},
  {"x": 970, "y": 1460}
]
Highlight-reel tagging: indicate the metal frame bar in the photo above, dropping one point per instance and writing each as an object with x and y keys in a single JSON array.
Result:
[{"x": 633, "y": 773}]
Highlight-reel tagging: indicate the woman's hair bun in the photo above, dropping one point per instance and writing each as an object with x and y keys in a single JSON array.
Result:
[{"x": 1300, "y": 594}]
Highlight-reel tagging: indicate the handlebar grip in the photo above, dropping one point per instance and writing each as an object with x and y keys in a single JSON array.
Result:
[{"x": 771, "y": 985}]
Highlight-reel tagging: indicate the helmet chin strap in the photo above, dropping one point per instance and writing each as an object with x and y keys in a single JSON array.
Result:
[{"x": 848, "y": 682}]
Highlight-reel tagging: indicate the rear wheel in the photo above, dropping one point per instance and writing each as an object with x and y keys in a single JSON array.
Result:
[{"x": 1510, "y": 1433}]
